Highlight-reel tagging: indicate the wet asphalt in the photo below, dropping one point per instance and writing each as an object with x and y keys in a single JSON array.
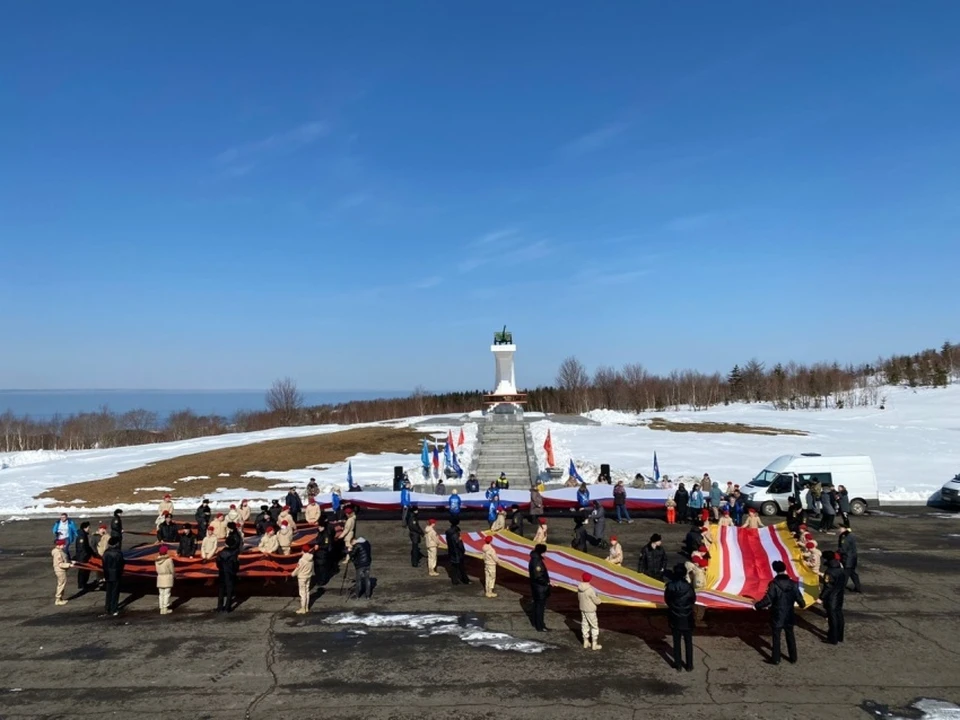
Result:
[{"x": 903, "y": 643}]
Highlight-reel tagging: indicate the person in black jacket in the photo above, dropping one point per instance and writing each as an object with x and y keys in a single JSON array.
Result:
[
  {"x": 167, "y": 531},
  {"x": 116, "y": 527},
  {"x": 416, "y": 535},
  {"x": 322, "y": 554},
  {"x": 580, "y": 539},
  {"x": 682, "y": 498},
  {"x": 228, "y": 567},
  {"x": 202, "y": 516},
  {"x": 782, "y": 594},
  {"x": 653, "y": 558},
  {"x": 457, "y": 554},
  {"x": 275, "y": 510},
  {"x": 539, "y": 586},
  {"x": 843, "y": 505},
  {"x": 362, "y": 557},
  {"x": 112, "y": 573},
  {"x": 262, "y": 520},
  {"x": 83, "y": 553},
  {"x": 831, "y": 595},
  {"x": 187, "y": 547},
  {"x": 295, "y": 504},
  {"x": 693, "y": 540},
  {"x": 848, "y": 556},
  {"x": 680, "y": 599},
  {"x": 795, "y": 515}
]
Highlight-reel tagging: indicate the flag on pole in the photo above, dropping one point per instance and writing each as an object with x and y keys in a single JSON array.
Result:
[
  {"x": 446, "y": 454},
  {"x": 436, "y": 461},
  {"x": 461, "y": 440},
  {"x": 425, "y": 456},
  {"x": 350, "y": 475},
  {"x": 573, "y": 472},
  {"x": 548, "y": 446},
  {"x": 456, "y": 466},
  {"x": 450, "y": 438},
  {"x": 656, "y": 468}
]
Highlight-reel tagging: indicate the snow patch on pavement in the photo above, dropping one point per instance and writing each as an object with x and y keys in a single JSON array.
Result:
[{"x": 923, "y": 709}]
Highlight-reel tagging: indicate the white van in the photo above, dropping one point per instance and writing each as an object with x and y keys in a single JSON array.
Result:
[
  {"x": 792, "y": 475},
  {"x": 950, "y": 492}
]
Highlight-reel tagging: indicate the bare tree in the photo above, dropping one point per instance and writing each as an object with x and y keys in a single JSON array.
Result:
[
  {"x": 419, "y": 397},
  {"x": 139, "y": 420},
  {"x": 573, "y": 381},
  {"x": 285, "y": 399}
]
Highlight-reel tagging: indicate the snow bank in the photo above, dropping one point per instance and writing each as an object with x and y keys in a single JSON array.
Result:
[{"x": 29, "y": 457}]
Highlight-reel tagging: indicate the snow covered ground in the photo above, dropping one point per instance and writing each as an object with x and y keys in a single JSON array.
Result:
[{"x": 914, "y": 443}]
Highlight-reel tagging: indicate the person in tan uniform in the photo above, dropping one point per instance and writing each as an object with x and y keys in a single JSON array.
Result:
[
  {"x": 707, "y": 535},
  {"x": 489, "y": 567},
  {"x": 540, "y": 537},
  {"x": 285, "y": 537},
  {"x": 812, "y": 556},
  {"x": 166, "y": 506},
  {"x": 753, "y": 520},
  {"x": 102, "y": 542},
  {"x": 165, "y": 576},
  {"x": 286, "y": 516},
  {"x": 725, "y": 519},
  {"x": 233, "y": 515},
  {"x": 244, "y": 512},
  {"x": 312, "y": 512},
  {"x": 589, "y": 602},
  {"x": 431, "y": 541},
  {"x": 501, "y": 520},
  {"x": 269, "y": 543},
  {"x": 615, "y": 554},
  {"x": 303, "y": 572},
  {"x": 697, "y": 577},
  {"x": 208, "y": 548},
  {"x": 60, "y": 567},
  {"x": 219, "y": 525},
  {"x": 348, "y": 532}
]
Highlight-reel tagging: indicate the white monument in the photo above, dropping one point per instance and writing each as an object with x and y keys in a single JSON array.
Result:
[{"x": 505, "y": 390}]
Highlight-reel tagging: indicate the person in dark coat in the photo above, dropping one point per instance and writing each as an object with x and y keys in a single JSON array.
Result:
[
  {"x": 228, "y": 567},
  {"x": 295, "y": 504},
  {"x": 322, "y": 564},
  {"x": 416, "y": 535},
  {"x": 112, "y": 573},
  {"x": 680, "y": 599},
  {"x": 580, "y": 535},
  {"x": 275, "y": 510},
  {"x": 831, "y": 595},
  {"x": 795, "y": 515},
  {"x": 234, "y": 532},
  {"x": 116, "y": 527},
  {"x": 516, "y": 520},
  {"x": 83, "y": 552},
  {"x": 848, "y": 557},
  {"x": 187, "y": 547},
  {"x": 167, "y": 531},
  {"x": 843, "y": 505},
  {"x": 692, "y": 541},
  {"x": 457, "y": 554},
  {"x": 682, "y": 498},
  {"x": 473, "y": 485},
  {"x": 362, "y": 557},
  {"x": 782, "y": 594},
  {"x": 202, "y": 516},
  {"x": 653, "y": 558},
  {"x": 828, "y": 511},
  {"x": 539, "y": 586},
  {"x": 263, "y": 520}
]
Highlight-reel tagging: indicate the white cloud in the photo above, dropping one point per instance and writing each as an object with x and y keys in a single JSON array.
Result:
[
  {"x": 241, "y": 159},
  {"x": 594, "y": 140}
]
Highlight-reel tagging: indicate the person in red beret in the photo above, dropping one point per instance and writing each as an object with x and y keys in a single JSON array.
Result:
[
  {"x": 540, "y": 538},
  {"x": 589, "y": 602},
  {"x": 432, "y": 542},
  {"x": 489, "y": 567},
  {"x": 60, "y": 566},
  {"x": 165, "y": 577}
]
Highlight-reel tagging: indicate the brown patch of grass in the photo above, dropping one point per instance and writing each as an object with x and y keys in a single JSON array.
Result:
[
  {"x": 270, "y": 455},
  {"x": 659, "y": 423}
]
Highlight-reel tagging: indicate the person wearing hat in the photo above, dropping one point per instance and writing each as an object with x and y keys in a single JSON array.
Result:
[
  {"x": 489, "y": 567},
  {"x": 848, "y": 557},
  {"x": 202, "y": 516},
  {"x": 285, "y": 537},
  {"x": 102, "y": 539},
  {"x": 275, "y": 510},
  {"x": 219, "y": 525},
  {"x": 795, "y": 514},
  {"x": 323, "y": 552},
  {"x": 671, "y": 506},
  {"x": 311, "y": 513},
  {"x": 60, "y": 566},
  {"x": 598, "y": 517},
  {"x": 753, "y": 520},
  {"x": 166, "y": 506},
  {"x": 269, "y": 543},
  {"x": 167, "y": 531},
  {"x": 165, "y": 577},
  {"x": 349, "y": 530},
  {"x": 113, "y": 563},
  {"x": 208, "y": 546},
  {"x": 812, "y": 555},
  {"x": 696, "y": 568},
  {"x": 234, "y": 532},
  {"x": 263, "y": 520},
  {"x": 653, "y": 558},
  {"x": 539, "y": 586},
  {"x": 515, "y": 520},
  {"x": 706, "y": 534},
  {"x": 244, "y": 512},
  {"x": 83, "y": 552},
  {"x": 432, "y": 542},
  {"x": 187, "y": 547},
  {"x": 303, "y": 572},
  {"x": 233, "y": 515},
  {"x": 361, "y": 557},
  {"x": 502, "y": 482},
  {"x": 415, "y": 533},
  {"x": 500, "y": 521},
  {"x": 680, "y": 597},
  {"x": 406, "y": 500},
  {"x": 692, "y": 540},
  {"x": 834, "y": 584},
  {"x": 615, "y": 554},
  {"x": 580, "y": 536},
  {"x": 782, "y": 594},
  {"x": 725, "y": 519},
  {"x": 116, "y": 526},
  {"x": 228, "y": 567},
  {"x": 312, "y": 488},
  {"x": 294, "y": 504},
  {"x": 540, "y": 537},
  {"x": 287, "y": 516},
  {"x": 457, "y": 555},
  {"x": 589, "y": 601},
  {"x": 536, "y": 506}
]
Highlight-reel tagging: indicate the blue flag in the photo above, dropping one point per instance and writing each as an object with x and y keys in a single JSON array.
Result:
[
  {"x": 446, "y": 455},
  {"x": 350, "y": 475},
  {"x": 573, "y": 472},
  {"x": 425, "y": 456},
  {"x": 656, "y": 468},
  {"x": 456, "y": 466}
]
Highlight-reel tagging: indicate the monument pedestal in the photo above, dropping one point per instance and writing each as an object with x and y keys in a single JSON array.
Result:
[{"x": 505, "y": 391}]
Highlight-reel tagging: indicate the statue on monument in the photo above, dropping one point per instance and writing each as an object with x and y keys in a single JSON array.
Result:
[{"x": 503, "y": 337}]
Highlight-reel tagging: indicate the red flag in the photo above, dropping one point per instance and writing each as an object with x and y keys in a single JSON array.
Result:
[
  {"x": 548, "y": 446},
  {"x": 450, "y": 439},
  {"x": 461, "y": 439}
]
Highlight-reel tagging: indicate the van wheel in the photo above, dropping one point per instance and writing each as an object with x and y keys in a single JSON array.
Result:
[
  {"x": 858, "y": 507},
  {"x": 769, "y": 509}
]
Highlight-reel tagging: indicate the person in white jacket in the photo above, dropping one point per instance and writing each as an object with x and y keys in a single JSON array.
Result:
[{"x": 589, "y": 602}]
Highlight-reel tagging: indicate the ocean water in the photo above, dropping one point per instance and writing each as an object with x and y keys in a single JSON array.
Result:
[{"x": 44, "y": 404}]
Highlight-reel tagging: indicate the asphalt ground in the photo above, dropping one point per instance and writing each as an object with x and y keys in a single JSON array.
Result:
[{"x": 265, "y": 661}]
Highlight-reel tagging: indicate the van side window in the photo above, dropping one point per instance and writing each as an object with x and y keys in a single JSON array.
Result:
[
  {"x": 811, "y": 478},
  {"x": 782, "y": 484}
]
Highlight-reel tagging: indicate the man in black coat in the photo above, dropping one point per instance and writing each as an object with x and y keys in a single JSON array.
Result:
[
  {"x": 539, "y": 586},
  {"x": 228, "y": 567},
  {"x": 680, "y": 599},
  {"x": 848, "y": 557},
  {"x": 202, "y": 516},
  {"x": 263, "y": 520},
  {"x": 167, "y": 531},
  {"x": 295, "y": 504},
  {"x": 83, "y": 553},
  {"x": 234, "y": 532},
  {"x": 681, "y": 497},
  {"x": 580, "y": 538},
  {"x": 416, "y": 535},
  {"x": 831, "y": 595},
  {"x": 362, "y": 557},
  {"x": 457, "y": 554},
  {"x": 187, "y": 547},
  {"x": 275, "y": 510},
  {"x": 693, "y": 540},
  {"x": 112, "y": 573},
  {"x": 116, "y": 527},
  {"x": 782, "y": 594},
  {"x": 653, "y": 558},
  {"x": 322, "y": 554}
]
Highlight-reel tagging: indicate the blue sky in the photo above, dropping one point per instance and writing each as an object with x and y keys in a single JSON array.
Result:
[{"x": 212, "y": 195}]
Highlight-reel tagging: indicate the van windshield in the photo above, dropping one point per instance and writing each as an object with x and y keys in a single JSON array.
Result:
[{"x": 764, "y": 478}]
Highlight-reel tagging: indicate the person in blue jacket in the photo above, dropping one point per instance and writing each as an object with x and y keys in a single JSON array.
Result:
[
  {"x": 453, "y": 504},
  {"x": 405, "y": 502},
  {"x": 473, "y": 485},
  {"x": 583, "y": 498},
  {"x": 65, "y": 529},
  {"x": 739, "y": 507},
  {"x": 696, "y": 504},
  {"x": 335, "y": 501}
]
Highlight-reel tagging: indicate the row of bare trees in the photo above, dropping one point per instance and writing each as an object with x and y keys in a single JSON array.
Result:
[{"x": 631, "y": 388}]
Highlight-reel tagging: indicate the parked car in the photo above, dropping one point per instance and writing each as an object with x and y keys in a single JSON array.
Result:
[{"x": 950, "y": 492}]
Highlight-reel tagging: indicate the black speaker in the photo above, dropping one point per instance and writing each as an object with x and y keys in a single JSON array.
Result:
[
  {"x": 605, "y": 470},
  {"x": 397, "y": 478}
]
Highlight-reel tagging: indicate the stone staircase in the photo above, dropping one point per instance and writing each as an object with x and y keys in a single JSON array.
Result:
[{"x": 505, "y": 446}]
